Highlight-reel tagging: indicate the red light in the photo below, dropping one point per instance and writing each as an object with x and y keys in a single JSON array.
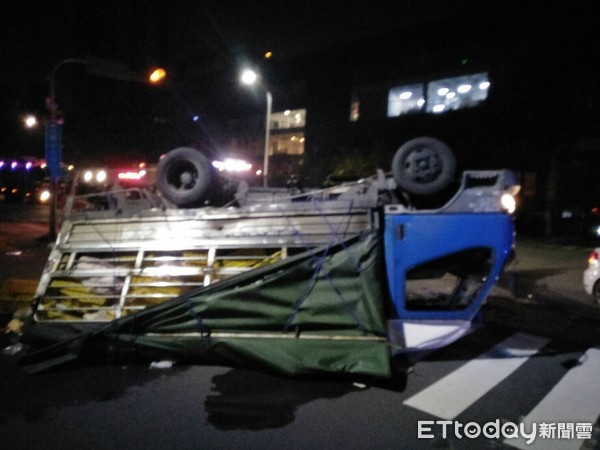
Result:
[
  {"x": 595, "y": 210},
  {"x": 593, "y": 258},
  {"x": 131, "y": 175}
]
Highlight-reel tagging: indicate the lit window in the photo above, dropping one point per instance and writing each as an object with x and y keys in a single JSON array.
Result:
[
  {"x": 295, "y": 118},
  {"x": 290, "y": 144},
  {"x": 456, "y": 93},
  {"x": 405, "y": 99},
  {"x": 442, "y": 95},
  {"x": 354, "y": 110}
]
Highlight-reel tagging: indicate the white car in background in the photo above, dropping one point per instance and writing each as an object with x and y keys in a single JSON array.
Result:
[{"x": 591, "y": 276}]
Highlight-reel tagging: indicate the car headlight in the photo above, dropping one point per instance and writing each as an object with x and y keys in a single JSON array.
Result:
[
  {"x": 44, "y": 196},
  {"x": 101, "y": 176},
  {"x": 508, "y": 203}
]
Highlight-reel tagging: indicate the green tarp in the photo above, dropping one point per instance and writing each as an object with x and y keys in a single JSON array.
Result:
[{"x": 322, "y": 311}]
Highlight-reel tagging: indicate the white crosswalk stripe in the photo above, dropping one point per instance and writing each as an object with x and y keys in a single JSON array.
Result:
[
  {"x": 563, "y": 419},
  {"x": 575, "y": 399},
  {"x": 451, "y": 395}
]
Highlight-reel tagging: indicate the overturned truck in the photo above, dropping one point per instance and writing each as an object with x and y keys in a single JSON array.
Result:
[{"x": 298, "y": 281}]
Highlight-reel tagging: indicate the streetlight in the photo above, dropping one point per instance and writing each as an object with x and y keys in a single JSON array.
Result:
[
  {"x": 157, "y": 75},
  {"x": 30, "y": 121},
  {"x": 53, "y": 132},
  {"x": 249, "y": 77},
  {"x": 53, "y": 143}
]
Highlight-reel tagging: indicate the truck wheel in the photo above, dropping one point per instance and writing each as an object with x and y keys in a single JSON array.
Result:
[
  {"x": 423, "y": 166},
  {"x": 183, "y": 176}
]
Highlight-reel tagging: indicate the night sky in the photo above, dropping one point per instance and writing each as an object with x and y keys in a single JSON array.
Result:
[
  {"x": 192, "y": 39},
  {"x": 200, "y": 44}
]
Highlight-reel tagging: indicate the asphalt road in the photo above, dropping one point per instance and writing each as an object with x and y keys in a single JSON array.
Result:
[
  {"x": 17, "y": 213},
  {"x": 130, "y": 406},
  {"x": 534, "y": 359}
]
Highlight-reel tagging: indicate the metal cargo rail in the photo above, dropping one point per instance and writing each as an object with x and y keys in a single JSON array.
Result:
[
  {"x": 110, "y": 263},
  {"x": 265, "y": 276},
  {"x": 120, "y": 251}
]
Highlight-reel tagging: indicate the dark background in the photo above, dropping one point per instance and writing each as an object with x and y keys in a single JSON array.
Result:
[
  {"x": 202, "y": 46},
  {"x": 541, "y": 117}
]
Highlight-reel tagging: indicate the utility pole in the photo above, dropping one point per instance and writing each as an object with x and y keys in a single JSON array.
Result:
[
  {"x": 53, "y": 144},
  {"x": 53, "y": 129}
]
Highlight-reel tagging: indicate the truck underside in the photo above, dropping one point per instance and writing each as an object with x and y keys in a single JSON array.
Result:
[{"x": 323, "y": 280}]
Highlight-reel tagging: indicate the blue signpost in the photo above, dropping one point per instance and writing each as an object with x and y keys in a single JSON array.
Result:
[
  {"x": 53, "y": 132},
  {"x": 53, "y": 156},
  {"x": 53, "y": 148}
]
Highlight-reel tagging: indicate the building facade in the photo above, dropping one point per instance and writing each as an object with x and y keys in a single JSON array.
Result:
[{"x": 507, "y": 90}]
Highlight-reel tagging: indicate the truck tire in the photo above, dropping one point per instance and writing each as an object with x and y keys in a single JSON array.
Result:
[
  {"x": 184, "y": 176},
  {"x": 423, "y": 166}
]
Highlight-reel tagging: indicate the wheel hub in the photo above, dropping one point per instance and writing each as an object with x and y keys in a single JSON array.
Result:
[{"x": 423, "y": 165}]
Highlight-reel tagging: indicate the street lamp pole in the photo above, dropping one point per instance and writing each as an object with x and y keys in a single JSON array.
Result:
[
  {"x": 52, "y": 97},
  {"x": 53, "y": 133},
  {"x": 53, "y": 144},
  {"x": 267, "y": 135},
  {"x": 250, "y": 77}
]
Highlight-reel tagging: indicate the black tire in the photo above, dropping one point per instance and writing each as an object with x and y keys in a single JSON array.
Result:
[
  {"x": 423, "y": 166},
  {"x": 184, "y": 176}
]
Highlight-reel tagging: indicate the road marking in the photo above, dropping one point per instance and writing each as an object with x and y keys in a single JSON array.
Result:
[
  {"x": 451, "y": 395},
  {"x": 574, "y": 399}
]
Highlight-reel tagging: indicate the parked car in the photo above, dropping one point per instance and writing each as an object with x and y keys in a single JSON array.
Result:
[{"x": 591, "y": 276}]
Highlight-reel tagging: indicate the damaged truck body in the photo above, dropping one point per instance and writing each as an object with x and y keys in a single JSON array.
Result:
[{"x": 298, "y": 281}]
